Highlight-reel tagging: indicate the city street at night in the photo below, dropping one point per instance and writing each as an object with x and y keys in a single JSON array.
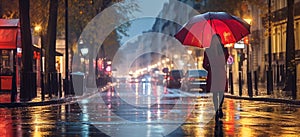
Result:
[
  {"x": 88, "y": 117},
  {"x": 149, "y": 68}
]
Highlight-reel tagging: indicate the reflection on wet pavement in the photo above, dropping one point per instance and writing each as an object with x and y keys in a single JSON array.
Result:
[{"x": 157, "y": 113}]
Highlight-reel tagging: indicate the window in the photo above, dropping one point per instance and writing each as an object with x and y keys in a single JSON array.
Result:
[
  {"x": 274, "y": 44},
  {"x": 283, "y": 38},
  {"x": 297, "y": 35}
]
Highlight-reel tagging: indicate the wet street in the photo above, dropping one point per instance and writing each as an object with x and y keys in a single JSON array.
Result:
[{"x": 151, "y": 111}]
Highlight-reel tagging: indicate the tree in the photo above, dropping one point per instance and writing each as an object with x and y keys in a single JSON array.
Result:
[
  {"x": 28, "y": 85},
  {"x": 51, "y": 46},
  {"x": 234, "y": 7},
  {"x": 82, "y": 15},
  {"x": 9, "y": 9},
  {"x": 290, "y": 83}
]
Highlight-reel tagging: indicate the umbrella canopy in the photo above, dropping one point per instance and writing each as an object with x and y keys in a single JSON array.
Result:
[{"x": 199, "y": 30}]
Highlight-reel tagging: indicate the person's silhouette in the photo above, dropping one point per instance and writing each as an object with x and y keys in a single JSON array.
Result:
[{"x": 215, "y": 58}]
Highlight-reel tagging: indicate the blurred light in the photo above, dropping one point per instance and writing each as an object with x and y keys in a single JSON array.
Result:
[
  {"x": 167, "y": 59},
  {"x": 229, "y": 45},
  {"x": 81, "y": 60},
  {"x": 143, "y": 79},
  {"x": 246, "y": 40},
  {"x": 84, "y": 51},
  {"x": 108, "y": 68},
  {"x": 175, "y": 56},
  {"x": 80, "y": 41},
  {"x": 38, "y": 28},
  {"x": 190, "y": 52},
  {"x": 248, "y": 20}
]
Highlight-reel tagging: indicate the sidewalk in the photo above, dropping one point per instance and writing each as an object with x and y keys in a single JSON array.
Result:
[
  {"x": 5, "y": 101},
  {"x": 277, "y": 96}
]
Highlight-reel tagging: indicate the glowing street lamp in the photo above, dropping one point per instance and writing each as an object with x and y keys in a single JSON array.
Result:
[
  {"x": 84, "y": 51},
  {"x": 38, "y": 28}
]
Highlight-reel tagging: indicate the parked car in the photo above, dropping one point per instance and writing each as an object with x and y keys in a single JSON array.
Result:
[
  {"x": 174, "y": 79},
  {"x": 145, "y": 78},
  {"x": 194, "y": 80}
]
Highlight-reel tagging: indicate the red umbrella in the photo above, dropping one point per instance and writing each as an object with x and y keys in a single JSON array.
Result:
[{"x": 199, "y": 30}]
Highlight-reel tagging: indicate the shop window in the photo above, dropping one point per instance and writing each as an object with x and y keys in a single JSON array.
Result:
[{"x": 6, "y": 59}]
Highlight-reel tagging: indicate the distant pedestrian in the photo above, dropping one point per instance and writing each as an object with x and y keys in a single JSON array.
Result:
[{"x": 215, "y": 58}]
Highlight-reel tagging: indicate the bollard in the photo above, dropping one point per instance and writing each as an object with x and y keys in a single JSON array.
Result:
[
  {"x": 34, "y": 84},
  {"x": 59, "y": 85},
  {"x": 249, "y": 83},
  {"x": 256, "y": 82},
  {"x": 27, "y": 78},
  {"x": 294, "y": 86},
  {"x": 14, "y": 89},
  {"x": 49, "y": 85},
  {"x": 277, "y": 74},
  {"x": 42, "y": 86},
  {"x": 54, "y": 83},
  {"x": 231, "y": 82},
  {"x": 269, "y": 82},
  {"x": 240, "y": 83}
]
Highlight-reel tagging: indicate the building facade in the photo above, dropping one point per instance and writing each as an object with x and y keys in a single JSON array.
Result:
[{"x": 278, "y": 39}]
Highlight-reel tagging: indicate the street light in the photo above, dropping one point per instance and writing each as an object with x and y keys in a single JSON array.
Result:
[
  {"x": 249, "y": 73},
  {"x": 84, "y": 51},
  {"x": 38, "y": 29}
]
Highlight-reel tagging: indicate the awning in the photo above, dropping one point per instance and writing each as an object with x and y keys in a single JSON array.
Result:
[{"x": 9, "y": 33}]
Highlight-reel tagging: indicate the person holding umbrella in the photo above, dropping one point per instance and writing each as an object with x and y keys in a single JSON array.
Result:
[
  {"x": 214, "y": 62},
  {"x": 213, "y": 30}
]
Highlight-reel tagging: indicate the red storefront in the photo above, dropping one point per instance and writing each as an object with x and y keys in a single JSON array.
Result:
[{"x": 10, "y": 43}]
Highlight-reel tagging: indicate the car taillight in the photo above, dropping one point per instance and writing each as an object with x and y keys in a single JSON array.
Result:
[{"x": 191, "y": 79}]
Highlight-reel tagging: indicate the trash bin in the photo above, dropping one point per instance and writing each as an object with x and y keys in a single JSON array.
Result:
[{"x": 78, "y": 81}]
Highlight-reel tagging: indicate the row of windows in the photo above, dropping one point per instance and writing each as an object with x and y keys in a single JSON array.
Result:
[
  {"x": 279, "y": 4},
  {"x": 279, "y": 38}
]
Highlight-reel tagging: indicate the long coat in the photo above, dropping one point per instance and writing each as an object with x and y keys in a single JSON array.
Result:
[{"x": 217, "y": 69}]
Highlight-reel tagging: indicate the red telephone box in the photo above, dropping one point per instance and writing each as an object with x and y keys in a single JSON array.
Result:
[{"x": 9, "y": 42}]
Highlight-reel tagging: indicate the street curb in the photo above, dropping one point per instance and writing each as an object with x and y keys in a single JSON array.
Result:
[
  {"x": 45, "y": 103},
  {"x": 274, "y": 100},
  {"x": 31, "y": 104},
  {"x": 48, "y": 102}
]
